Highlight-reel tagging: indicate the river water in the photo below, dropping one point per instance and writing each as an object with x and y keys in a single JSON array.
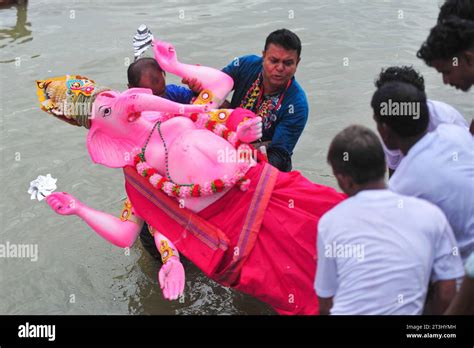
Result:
[{"x": 345, "y": 44}]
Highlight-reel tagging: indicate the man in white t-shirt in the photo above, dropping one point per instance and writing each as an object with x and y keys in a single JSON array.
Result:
[
  {"x": 438, "y": 166},
  {"x": 439, "y": 112},
  {"x": 463, "y": 302},
  {"x": 378, "y": 250}
]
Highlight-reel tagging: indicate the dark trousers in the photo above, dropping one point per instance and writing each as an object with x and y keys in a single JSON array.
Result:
[{"x": 148, "y": 242}]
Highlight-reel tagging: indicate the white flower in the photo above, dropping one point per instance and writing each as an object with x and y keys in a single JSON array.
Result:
[{"x": 42, "y": 187}]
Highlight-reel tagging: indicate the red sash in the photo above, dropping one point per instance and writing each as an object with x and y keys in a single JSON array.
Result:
[{"x": 205, "y": 244}]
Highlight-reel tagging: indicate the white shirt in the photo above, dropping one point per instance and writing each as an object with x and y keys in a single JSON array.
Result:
[
  {"x": 440, "y": 169},
  {"x": 394, "y": 245},
  {"x": 439, "y": 113}
]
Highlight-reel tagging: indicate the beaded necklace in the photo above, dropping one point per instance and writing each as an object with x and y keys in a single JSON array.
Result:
[{"x": 255, "y": 93}]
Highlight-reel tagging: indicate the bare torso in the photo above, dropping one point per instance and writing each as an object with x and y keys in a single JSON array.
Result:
[{"x": 195, "y": 156}]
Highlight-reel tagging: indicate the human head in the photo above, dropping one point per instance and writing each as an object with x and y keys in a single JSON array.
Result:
[
  {"x": 401, "y": 73},
  {"x": 357, "y": 158},
  {"x": 400, "y": 111},
  {"x": 146, "y": 73},
  {"x": 463, "y": 9},
  {"x": 281, "y": 56},
  {"x": 450, "y": 50}
]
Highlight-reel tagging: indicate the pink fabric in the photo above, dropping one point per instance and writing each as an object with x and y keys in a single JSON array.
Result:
[{"x": 281, "y": 266}]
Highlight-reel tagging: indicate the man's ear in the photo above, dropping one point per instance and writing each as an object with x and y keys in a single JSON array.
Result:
[
  {"x": 389, "y": 137},
  {"x": 263, "y": 53},
  {"x": 345, "y": 182},
  {"x": 469, "y": 55},
  {"x": 298, "y": 61},
  {"x": 385, "y": 132}
]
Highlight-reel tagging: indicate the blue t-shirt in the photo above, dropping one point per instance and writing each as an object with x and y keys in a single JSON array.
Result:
[
  {"x": 178, "y": 94},
  {"x": 288, "y": 121}
]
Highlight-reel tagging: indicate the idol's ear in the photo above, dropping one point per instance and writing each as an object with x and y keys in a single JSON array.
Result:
[
  {"x": 108, "y": 94},
  {"x": 135, "y": 90},
  {"x": 109, "y": 151}
]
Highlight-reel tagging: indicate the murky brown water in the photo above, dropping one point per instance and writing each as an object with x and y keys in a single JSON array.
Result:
[{"x": 76, "y": 271}]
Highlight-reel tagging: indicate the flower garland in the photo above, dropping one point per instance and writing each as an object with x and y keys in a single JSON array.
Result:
[
  {"x": 173, "y": 189},
  {"x": 205, "y": 121}
]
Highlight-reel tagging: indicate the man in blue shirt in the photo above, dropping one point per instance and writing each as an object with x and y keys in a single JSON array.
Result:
[{"x": 267, "y": 86}]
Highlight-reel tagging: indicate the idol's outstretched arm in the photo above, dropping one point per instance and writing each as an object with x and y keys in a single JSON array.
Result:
[
  {"x": 118, "y": 231},
  {"x": 123, "y": 231}
]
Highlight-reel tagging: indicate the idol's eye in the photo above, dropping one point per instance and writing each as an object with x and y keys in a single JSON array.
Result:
[{"x": 107, "y": 112}]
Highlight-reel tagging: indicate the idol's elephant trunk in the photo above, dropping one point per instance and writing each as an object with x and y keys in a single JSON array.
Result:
[{"x": 139, "y": 102}]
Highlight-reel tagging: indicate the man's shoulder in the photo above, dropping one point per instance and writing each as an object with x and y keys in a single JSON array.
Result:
[
  {"x": 426, "y": 208},
  {"x": 296, "y": 96},
  {"x": 247, "y": 62},
  {"x": 338, "y": 214},
  {"x": 415, "y": 163},
  {"x": 441, "y": 112},
  {"x": 453, "y": 134},
  {"x": 177, "y": 89},
  {"x": 405, "y": 177},
  {"x": 178, "y": 94},
  {"x": 244, "y": 68},
  {"x": 250, "y": 59}
]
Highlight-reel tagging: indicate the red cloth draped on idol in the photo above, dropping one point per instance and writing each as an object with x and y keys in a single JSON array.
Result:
[{"x": 192, "y": 177}]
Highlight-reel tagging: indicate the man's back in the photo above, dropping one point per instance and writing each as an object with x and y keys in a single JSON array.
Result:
[
  {"x": 440, "y": 169},
  {"x": 377, "y": 252}
]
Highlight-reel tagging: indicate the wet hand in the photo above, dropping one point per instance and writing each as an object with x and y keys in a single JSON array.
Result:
[
  {"x": 171, "y": 278},
  {"x": 250, "y": 130},
  {"x": 165, "y": 55},
  {"x": 63, "y": 203}
]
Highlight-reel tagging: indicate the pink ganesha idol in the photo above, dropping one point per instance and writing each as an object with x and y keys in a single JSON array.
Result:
[{"x": 241, "y": 221}]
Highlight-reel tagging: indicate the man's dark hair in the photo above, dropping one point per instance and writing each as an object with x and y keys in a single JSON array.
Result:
[
  {"x": 357, "y": 152},
  {"x": 139, "y": 67},
  {"x": 401, "y": 73},
  {"x": 463, "y": 9},
  {"x": 284, "y": 38},
  {"x": 447, "y": 40},
  {"x": 412, "y": 116}
]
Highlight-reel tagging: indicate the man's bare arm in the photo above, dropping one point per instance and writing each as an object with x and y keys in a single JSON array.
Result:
[
  {"x": 443, "y": 293},
  {"x": 325, "y": 305}
]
